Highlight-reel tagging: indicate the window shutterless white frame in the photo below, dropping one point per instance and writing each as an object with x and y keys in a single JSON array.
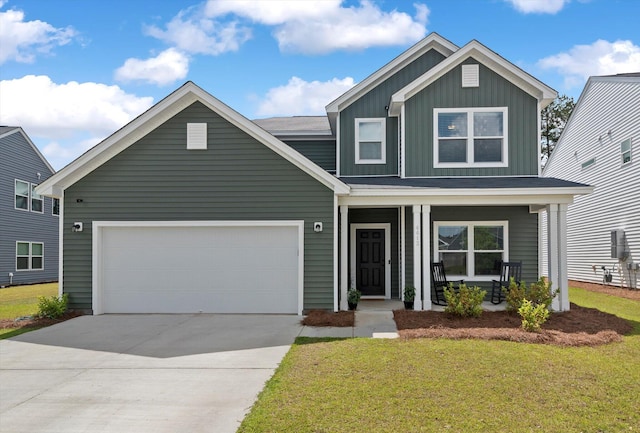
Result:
[
  {"x": 55, "y": 205},
  {"x": 470, "y": 225},
  {"x": 625, "y": 151},
  {"x": 382, "y": 140},
  {"x": 29, "y": 256},
  {"x": 470, "y": 137},
  {"x": 588, "y": 163},
  {"x": 26, "y": 197},
  {"x": 36, "y": 199}
]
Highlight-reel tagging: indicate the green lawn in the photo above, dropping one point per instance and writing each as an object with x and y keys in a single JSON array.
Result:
[
  {"x": 365, "y": 385},
  {"x": 18, "y": 301}
]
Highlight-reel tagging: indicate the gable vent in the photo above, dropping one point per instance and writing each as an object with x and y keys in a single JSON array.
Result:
[
  {"x": 196, "y": 136},
  {"x": 470, "y": 75}
]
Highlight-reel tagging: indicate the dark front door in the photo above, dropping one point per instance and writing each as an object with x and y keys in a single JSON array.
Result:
[{"x": 370, "y": 262}]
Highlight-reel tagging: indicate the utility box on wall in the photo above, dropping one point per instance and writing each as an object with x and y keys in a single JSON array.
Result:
[{"x": 618, "y": 245}]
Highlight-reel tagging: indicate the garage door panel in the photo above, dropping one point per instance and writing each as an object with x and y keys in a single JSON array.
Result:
[{"x": 200, "y": 269}]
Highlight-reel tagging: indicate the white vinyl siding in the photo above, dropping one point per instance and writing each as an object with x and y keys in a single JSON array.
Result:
[
  {"x": 371, "y": 141},
  {"x": 471, "y": 249},
  {"x": 29, "y": 256},
  {"x": 470, "y": 137}
]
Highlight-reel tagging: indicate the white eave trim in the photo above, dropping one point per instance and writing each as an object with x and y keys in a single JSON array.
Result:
[
  {"x": 463, "y": 192},
  {"x": 160, "y": 113},
  {"x": 432, "y": 41},
  {"x": 486, "y": 57}
]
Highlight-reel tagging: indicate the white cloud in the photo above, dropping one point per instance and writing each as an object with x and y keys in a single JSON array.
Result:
[
  {"x": 538, "y": 6},
  {"x": 323, "y": 26},
  {"x": 600, "y": 58},
  {"x": 20, "y": 40},
  {"x": 193, "y": 32},
  {"x": 169, "y": 66},
  {"x": 59, "y": 112},
  {"x": 300, "y": 97}
]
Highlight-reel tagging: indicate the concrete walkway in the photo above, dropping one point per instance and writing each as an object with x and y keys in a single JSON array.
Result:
[{"x": 373, "y": 319}]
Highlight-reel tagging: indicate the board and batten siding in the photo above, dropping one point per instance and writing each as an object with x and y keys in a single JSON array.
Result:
[
  {"x": 236, "y": 178},
  {"x": 19, "y": 161},
  {"x": 523, "y": 234},
  {"x": 321, "y": 152},
  {"x": 607, "y": 104},
  {"x": 493, "y": 91},
  {"x": 372, "y": 105}
]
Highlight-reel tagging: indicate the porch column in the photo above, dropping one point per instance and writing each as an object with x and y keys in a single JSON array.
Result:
[
  {"x": 344, "y": 256},
  {"x": 552, "y": 250},
  {"x": 426, "y": 256},
  {"x": 563, "y": 278},
  {"x": 417, "y": 250},
  {"x": 403, "y": 252}
]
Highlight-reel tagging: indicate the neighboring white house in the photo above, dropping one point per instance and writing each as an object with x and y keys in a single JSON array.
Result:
[{"x": 600, "y": 146}]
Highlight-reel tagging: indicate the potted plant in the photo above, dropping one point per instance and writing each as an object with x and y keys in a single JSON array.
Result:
[
  {"x": 353, "y": 297},
  {"x": 409, "y": 297}
]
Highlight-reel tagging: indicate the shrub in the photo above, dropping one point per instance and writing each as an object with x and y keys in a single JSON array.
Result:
[
  {"x": 539, "y": 293},
  {"x": 409, "y": 293},
  {"x": 465, "y": 302},
  {"x": 533, "y": 316},
  {"x": 52, "y": 307},
  {"x": 353, "y": 295},
  {"x": 515, "y": 294}
]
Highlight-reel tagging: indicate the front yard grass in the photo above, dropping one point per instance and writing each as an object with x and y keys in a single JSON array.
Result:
[
  {"x": 19, "y": 301},
  {"x": 426, "y": 385}
]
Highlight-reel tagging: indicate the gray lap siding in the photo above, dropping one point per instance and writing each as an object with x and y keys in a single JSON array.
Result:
[{"x": 236, "y": 178}]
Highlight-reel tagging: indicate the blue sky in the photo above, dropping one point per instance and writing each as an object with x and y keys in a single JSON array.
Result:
[{"x": 73, "y": 72}]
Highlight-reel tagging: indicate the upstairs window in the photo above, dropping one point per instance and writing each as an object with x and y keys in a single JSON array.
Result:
[
  {"x": 37, "y": 202},
  {"x": 55, "y": 206},
  {"x": 471, "y": 137},
  {"x": 625, "y": 151},
  {"x": 371, "y": 141},
  {"x": 22, "y": 195}
]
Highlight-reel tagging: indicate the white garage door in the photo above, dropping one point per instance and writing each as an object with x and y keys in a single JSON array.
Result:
[{"x": 211, "y": 269}]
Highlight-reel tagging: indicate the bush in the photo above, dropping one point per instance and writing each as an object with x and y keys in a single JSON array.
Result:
[
  {"x": 539, "y": 293},
  {"x": 52, "y": 307},
  {"x": 533, "y": 316},
  {"x": 515, "y": 294},
  {"x": 465, "y": 302}
]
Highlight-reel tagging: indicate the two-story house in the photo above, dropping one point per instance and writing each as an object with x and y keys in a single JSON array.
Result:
[
  {"x": 192, "y": 207},
  {"x": 29, "y": 222}
]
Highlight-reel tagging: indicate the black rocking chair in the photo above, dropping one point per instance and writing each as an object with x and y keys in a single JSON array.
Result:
[
  {"x": 439, "y": 282},
  {"x": 508, "y": 270}
]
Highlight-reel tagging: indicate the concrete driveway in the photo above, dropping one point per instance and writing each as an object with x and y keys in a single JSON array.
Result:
[{"x": 140, "y": 373}]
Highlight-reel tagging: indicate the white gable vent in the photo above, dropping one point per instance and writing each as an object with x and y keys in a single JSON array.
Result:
[
  {"x": 196, "y": 136},
  {"x": 470, "y": 75}
]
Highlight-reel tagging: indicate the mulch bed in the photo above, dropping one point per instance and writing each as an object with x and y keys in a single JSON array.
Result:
[
  {"x": 328, "y": 318},
  {"x": 578, "y": 327},
  {"x": 609, "y": 290},
  {"x": 34, "y": 322}
]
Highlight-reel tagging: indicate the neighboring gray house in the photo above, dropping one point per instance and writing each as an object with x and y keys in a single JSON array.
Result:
[
  {"x": 192, "y": 207},
  {"x": 599, "y": 146},
  {"x": 29, "y": 222}
]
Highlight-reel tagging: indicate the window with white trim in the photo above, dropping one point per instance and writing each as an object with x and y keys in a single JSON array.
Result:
[
  {"x": 55, "y": 206},
  {"x": 37, "y": 202},
  {"x": 625, "y": 151},
  {"x": 470, "y": 137},
  {"x": 370, "y": 141},
  {"x": 588, "y": 163},
  {"x": 472, "y": 249},
  {"x": 29, "y": 256},
  {"x": 22, "y": 195}
]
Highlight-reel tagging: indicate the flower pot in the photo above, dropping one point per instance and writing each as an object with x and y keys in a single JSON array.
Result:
[
  {"x": 408, "y": 305},
  {"x": 352, "y": 306}
]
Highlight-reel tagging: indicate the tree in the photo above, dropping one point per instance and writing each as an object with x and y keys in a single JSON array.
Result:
[{"x": 554, "y": 119}]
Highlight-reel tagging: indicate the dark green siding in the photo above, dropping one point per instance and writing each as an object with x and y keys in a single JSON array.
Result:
[
  {"x": 383, "y": 216},
  {"x": 237, "y": 178},
  {"x": 494, "y": 91},
  {"x": 372, "y": 105},
  {"x": 322, "y": 152},
  {"x": 523, "y": 233}
]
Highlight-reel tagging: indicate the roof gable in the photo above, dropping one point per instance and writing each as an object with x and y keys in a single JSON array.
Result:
[
  {"x": 6, "y": 131},
  {"x": 488, "y": 58},
  {"x": 160, "y": 113},
  {"x": 432, "y": 42}
]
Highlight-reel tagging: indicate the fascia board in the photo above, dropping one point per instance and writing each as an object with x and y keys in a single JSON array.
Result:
[
  {"x": 432, "y": 41},
  {"x": 160, "y": 113},
  {"x": 488, "y": 58}
]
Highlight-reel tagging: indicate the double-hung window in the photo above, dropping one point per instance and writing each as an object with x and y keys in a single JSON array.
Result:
[
  {"x": 37, "y": 202},
  {"x": 55, "y": 206},
  {"x": 22, "y": 195},
  {"x": 371, "y": 141},
  {"x": 29, "y": 256},
  {"x": 625, "y": 151},
  {"x": 472, "y": 249},
  {"x": 470, "y": 137}
]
